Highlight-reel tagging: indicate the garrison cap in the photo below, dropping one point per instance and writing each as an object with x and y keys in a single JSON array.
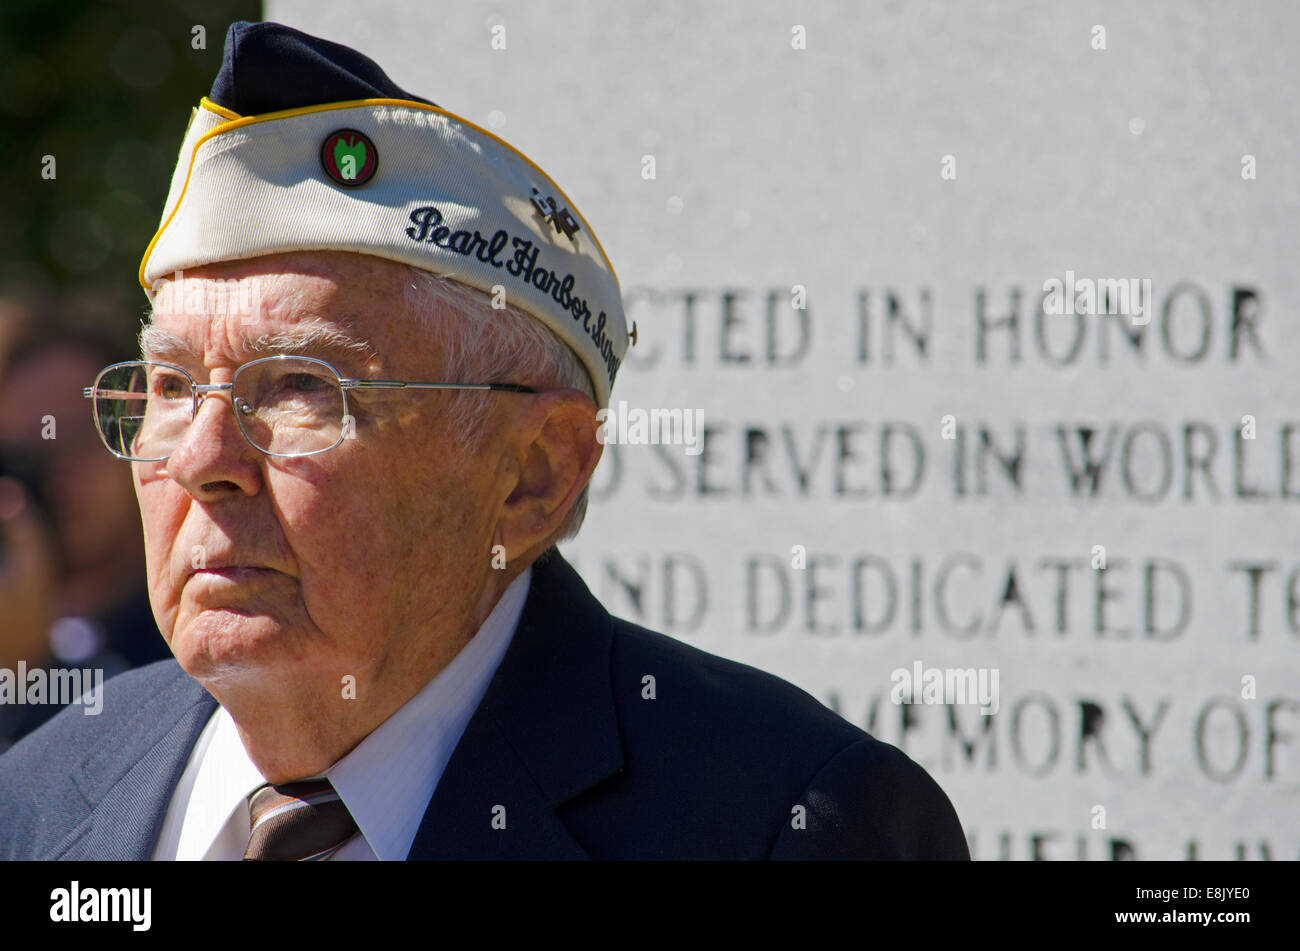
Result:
[{"x": 304, "y": 144}]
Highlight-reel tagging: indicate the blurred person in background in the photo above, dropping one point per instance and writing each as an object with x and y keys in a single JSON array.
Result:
[{"x": 72, "y": 590}]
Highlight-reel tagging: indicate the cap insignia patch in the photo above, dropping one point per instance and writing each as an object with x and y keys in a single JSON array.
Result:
[{"x": 349, "y": 158}]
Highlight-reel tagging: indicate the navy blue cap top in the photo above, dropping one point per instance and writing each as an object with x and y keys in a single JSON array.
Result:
[{"x": 267, "y": 67}]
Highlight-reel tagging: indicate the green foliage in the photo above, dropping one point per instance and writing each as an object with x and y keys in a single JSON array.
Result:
[{"x": 106, "y": 88}]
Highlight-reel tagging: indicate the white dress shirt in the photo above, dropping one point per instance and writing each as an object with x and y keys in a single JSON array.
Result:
[{"x": 386, "y": 781}]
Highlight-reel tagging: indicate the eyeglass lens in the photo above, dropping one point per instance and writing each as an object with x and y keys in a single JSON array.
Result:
[{"x": 286, "y": 407}]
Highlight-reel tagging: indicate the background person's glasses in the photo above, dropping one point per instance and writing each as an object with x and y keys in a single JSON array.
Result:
[{"x": 285, "y": 405}]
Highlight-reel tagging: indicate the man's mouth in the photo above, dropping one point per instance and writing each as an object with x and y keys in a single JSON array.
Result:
[
  {"x": 228, "y": 574},
  {"x": 236, "y": 572}
]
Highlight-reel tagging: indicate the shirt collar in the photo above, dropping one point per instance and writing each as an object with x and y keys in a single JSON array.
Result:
[
  {"x": 388, "y": 779},
  {"x": 225, "y": 778}
]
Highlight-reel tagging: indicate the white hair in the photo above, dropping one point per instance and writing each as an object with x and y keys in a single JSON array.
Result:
[{"x": 483, "y": 344}]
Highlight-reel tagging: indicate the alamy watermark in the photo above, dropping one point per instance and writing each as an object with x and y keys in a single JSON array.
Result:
[
  {"x": 77, "y": 903},
  {"x": 1128, "y": 296},
  {"x": 946, "y": 685},
  {"x": 59, "y": 686},
  {"x": 657, "y": 426},
  {"x": 208, "y": 296}
]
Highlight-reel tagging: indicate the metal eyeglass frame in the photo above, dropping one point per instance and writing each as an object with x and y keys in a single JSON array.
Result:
[{"x": 200, "y": 390}]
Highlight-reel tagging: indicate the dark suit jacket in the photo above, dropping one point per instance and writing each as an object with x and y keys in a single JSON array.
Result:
[{"x": 713, "y": 767}]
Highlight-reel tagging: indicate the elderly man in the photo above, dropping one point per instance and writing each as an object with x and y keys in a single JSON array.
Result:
[{"x": 364, "y": 414}]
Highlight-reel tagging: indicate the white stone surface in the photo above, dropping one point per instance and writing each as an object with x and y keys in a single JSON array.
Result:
[{"x": 822, "y": 167}]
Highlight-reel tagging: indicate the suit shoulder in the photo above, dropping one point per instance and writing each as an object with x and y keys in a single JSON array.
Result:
[
  {"x": 872, "y": 801},
  {"x": 762, "y": 747},
  {"x": 730, "y": 745},
  {"x": 39, "y": 774},
  {"x": 80, "y": 726},
  {"x": 730, "y": 694}
]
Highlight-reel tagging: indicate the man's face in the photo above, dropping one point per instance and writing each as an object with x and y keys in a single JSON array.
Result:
[{"x": 364, "y": 560}]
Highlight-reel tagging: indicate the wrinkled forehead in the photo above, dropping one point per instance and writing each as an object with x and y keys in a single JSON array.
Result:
[
  {"x": 267, "y": 285},
  {"x": 333, "y": 304}
]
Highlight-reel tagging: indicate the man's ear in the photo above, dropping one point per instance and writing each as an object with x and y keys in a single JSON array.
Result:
[{"x": 555, "y": 450}]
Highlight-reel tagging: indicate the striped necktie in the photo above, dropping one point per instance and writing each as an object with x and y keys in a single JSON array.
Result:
[{"x": 303, "y": 821}]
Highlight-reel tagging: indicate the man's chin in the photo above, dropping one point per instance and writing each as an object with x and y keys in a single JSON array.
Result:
[{"x": 243, "y": 643}]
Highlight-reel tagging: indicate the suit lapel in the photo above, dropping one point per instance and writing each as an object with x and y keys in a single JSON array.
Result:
[
  {"x": 129, "y": 779},
  {"x": 545, "y": 732}
]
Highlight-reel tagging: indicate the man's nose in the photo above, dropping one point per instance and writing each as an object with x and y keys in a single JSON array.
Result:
[{"x": 213, "y": 458}]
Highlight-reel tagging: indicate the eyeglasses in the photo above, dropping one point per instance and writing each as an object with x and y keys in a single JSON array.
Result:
[{"x": 286, "y": 406}]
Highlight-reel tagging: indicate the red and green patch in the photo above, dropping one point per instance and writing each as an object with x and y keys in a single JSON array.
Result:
[{"x": 349, "y": 158}]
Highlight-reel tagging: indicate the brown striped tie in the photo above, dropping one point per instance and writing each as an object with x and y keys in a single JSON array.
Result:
[{"x": 304, "y": 821}]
